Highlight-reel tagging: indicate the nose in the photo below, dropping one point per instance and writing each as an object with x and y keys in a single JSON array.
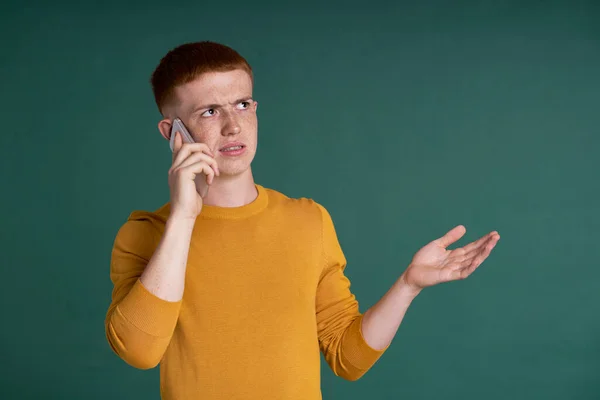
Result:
[{"x": 231, "y": 125}]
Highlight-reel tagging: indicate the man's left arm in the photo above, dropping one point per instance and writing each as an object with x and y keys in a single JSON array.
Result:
[
  {"x": 338, "y": 318},
  {"x": 352, "y": 342},
  {"x": 431, "y": 265}
]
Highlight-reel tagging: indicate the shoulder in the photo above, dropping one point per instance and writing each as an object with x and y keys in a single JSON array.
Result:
[
  {"x": 157, "y": 217},
  {"x": 305, "y": 207},
  {"x": 305, "y": 215},
  {"x": 142, "y": 226}
]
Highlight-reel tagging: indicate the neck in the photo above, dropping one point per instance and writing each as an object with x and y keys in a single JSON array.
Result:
[{"x": 232, "y": 190}]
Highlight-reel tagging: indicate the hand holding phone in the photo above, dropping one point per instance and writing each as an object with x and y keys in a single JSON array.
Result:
[{"x": 192, "y": 172}]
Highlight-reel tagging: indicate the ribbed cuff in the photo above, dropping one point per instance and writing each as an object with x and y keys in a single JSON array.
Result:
[
  {"x": 356, "y": 350},
  {"x": 153, "y": 315}
]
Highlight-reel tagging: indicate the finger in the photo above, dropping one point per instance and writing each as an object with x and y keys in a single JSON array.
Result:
[
  {"x": 464, "y": 258},
  {"x": 469, "y": 247},
  {"x": 452, "y": 236},
  {"x": 457, "y": 265},
  {"x": 200, "y": 168},
  {"x": 462, "y": 270},
  {"x": 481, "y": 243},
  {"x": 200, "y": 157},
  {"x": 177, "y": 143},
  {"x": 474, "y": 251},
  {"x": 486, "y": 250},
  {"x": 460, "y": 263},
  {"x": 455, "y": 274},
  {"x": 457, "y": 255},
  {"x": 188, "y": 148},
  {"x": 475, "y": 257},
  {"x": 480, "y": 258}
]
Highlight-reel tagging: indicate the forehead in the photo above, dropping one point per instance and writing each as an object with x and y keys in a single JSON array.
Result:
[{"x": 214, "y": 88}]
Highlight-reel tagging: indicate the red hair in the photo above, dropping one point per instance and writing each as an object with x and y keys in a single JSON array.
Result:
[{"x": 187, "y": 62}]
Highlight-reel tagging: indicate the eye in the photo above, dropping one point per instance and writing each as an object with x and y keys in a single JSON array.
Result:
[
  {"x": 243, "y": 105},
  {"x": 209, "y": 112}
]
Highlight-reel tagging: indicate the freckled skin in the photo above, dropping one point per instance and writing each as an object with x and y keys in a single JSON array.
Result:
[{"x": 228, "y": 122}]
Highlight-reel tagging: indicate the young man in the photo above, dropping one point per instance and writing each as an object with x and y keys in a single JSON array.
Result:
[{"x": 265, "y": 290}]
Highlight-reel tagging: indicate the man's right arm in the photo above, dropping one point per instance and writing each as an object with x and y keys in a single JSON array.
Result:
[
  {"x": 148, "y": 272},
  {"x": 164, "y": 276},
  {"x": 148, "y": 267}
]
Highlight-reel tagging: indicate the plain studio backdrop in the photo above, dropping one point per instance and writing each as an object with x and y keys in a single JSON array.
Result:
[{"x": 404, "y": 120}]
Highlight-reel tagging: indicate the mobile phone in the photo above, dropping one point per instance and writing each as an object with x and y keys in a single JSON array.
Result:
[{"x": 178, "y": 126}]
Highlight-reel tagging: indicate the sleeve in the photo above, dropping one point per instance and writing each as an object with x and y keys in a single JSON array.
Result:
[
  {"x": 338, "y": 317},
  {"x": 138, "y": 325}
]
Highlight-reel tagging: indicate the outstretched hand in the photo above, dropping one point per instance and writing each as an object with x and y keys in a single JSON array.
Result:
[{"x": 434, "y": 263}]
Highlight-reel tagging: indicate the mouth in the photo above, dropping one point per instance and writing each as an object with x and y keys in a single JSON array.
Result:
[{"x": 232, "y": 149}]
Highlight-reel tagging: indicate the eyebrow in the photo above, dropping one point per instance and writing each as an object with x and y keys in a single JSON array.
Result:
[{"x": 209, "y": 106}]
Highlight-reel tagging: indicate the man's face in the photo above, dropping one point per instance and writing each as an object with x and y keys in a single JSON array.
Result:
[{"x": 218, "y": 110}]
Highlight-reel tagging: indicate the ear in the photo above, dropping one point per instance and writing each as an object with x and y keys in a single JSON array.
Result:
[
  {"x": 255, "y": 105},
  {"x": 164, "y": 126}
]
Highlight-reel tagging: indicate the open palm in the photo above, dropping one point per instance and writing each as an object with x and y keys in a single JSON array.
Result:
[{"x": 434, "y": 263}]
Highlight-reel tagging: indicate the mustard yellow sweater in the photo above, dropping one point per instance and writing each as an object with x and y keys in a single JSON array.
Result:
[{"x": 265, "y": 292}]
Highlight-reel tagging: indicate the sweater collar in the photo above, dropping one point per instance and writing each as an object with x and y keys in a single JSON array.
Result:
[{"x": 245, "y": 211}]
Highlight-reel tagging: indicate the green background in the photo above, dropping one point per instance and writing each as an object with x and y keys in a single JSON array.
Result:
[{"x": 403, "y": 120}]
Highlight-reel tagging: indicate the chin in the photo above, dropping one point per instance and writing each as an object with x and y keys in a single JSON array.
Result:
[
  {"x": 234, "y": 170},
  {"x": 234, "y": 167}
]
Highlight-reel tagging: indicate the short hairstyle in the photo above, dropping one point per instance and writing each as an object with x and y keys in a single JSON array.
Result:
[{"x": 187, "y": 62}]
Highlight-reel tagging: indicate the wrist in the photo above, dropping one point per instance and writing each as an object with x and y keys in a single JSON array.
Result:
[
  {"x": 406, "y": 287},
  {"x": 180, "y": 222}
]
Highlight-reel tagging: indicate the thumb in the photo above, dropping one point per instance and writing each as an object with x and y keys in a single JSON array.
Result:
[
  {"x": 177, "y": 143},
  {"x": 452, "y": 236}
]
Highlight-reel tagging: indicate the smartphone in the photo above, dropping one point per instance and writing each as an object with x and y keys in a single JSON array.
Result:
[{"x": 178, "y": 126}]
